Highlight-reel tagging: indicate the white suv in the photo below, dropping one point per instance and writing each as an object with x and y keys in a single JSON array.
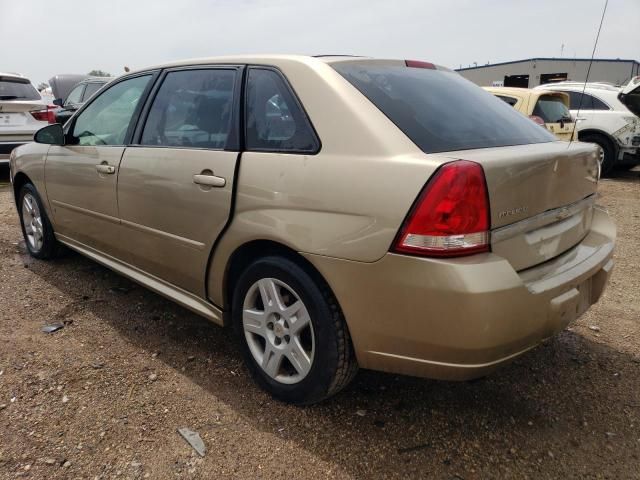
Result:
[
  {"x": 22, "y": 113},
  {"x": 604, "y": 119}
]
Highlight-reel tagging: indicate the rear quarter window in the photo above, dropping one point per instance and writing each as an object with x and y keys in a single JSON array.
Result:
[
  {"x": 274, "y": 118},
  {"x": 584, "y": 101},
  {"x": 439, "y": 110}
]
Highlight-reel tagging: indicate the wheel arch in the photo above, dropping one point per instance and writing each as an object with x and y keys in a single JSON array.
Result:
[
  {"x": 19, "y": 180},
  {"x": 251, "y": 251},
  {"x": 602, "y": 133}
]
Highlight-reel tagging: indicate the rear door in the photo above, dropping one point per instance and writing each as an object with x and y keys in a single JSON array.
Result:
[
  {"x": 175, "y": 182},
  {"x": 81, "y": 176}
]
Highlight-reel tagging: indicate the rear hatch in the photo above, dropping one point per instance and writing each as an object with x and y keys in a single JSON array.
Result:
[
  {"x": 541, "y": 198},
  {"x": 630, "y": 95},
  {"x": 553, "y": 109},
  {"x": 541, "y": 190},
  {"x": 17, "y": 99}
]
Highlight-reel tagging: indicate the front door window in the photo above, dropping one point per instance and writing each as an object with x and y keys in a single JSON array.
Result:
[{"x": 106, "y": 120}]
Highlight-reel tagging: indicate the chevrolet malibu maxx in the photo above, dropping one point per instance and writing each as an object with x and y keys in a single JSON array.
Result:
[{"x": 337, "y": 212}]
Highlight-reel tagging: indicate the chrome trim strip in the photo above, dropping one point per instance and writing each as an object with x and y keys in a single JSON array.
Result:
[
  {"x": 542, "y": 219},
  {"x": 176, "y": 294},
  {"x": 451, "y": 365}
]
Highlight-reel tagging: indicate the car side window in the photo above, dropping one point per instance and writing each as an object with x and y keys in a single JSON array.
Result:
[
  {"x": 275, "y": 121},
  {"x": 90, "y": 90},
  {"x": 193, "y": 108},
  {"x": 75, "y": 96},
  {"x": 510, "y": 100},
  {"x": 106, "y": 120},
  {"x": 599, "y": 104},
  {"x": 589, "y": 102}
]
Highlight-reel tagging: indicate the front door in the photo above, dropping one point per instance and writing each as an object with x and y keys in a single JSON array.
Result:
[
  {"x": 81, "y": 176},
  {"x": 175, "y": 184}
]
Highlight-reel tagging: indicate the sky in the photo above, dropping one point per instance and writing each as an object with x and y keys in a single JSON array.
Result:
[{"x": 42, "y": 38}]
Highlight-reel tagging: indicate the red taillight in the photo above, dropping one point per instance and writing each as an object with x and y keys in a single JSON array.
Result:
[
  {"x": 40, "y": 115},
  {"x": 419, "y": 64},
  {"x": 451, "y": 216},
  {"x": 46, "y": 115},
  {"x": 537, "y": 120},
  {"x": 51, "y": 113}
]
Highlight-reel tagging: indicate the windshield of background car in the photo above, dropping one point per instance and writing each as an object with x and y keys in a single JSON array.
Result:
[
  {"x": 551, "y": 109},
  {"x": 440, "y": 111},
  {"x": 17, "y": 90}
]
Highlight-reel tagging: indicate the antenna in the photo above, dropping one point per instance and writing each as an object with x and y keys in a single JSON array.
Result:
[{"x": 575, "y": 124}]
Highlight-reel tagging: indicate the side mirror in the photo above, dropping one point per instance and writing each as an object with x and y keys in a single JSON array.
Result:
[
  {"x": 50, "y": 135},
  {"x": 58, "y": 101}
]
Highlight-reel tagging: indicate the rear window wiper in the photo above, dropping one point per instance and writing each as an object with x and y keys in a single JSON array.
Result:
[{"x": 9, "y": 97}]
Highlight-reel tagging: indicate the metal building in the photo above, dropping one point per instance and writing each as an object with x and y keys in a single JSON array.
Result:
[{"x": 537, "y": 71}]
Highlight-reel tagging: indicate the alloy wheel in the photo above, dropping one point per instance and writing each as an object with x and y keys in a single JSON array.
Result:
[
  {"x": 278, "y": 330},
  {"x": 32, "y": 220}
]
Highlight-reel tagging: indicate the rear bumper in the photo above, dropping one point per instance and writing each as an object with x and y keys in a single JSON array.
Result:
[{"x": 461, "y": 318}]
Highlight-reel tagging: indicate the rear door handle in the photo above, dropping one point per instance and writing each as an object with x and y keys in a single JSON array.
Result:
[
  {"x": 209, "y": 180},
  {"x": 106, "y": 169}
]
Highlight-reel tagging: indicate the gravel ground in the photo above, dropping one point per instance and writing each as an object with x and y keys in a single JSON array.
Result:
[{"x": 104, "y": 397}]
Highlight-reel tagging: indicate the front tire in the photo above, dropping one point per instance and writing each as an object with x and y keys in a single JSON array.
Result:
[
  {"x": 292, "y": 333},
  {"x": 36, "y": 227}
]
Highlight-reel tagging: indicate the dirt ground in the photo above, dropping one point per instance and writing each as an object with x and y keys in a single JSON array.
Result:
[{"x": 104, "y": 397}]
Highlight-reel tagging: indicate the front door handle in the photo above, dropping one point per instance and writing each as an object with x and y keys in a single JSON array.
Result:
[
  {"x": 106, "y": 169},
  {"x": 209, "y": 180}
]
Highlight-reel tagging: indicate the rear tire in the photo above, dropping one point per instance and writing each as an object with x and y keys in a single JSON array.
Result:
[
  {"x": 608, "y": 151},
  {"x": 36, "y": 227},
  {"x": 292, "y": 332}
]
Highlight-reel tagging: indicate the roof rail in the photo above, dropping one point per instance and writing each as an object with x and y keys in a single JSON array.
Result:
[
  {"x": 598, "y": 85},
  {"x": 335, "y": 55}
]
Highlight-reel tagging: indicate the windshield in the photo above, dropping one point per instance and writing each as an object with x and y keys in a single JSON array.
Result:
[
  {"x": 552, "y": 109},
  {"x": 17, "y": 89},
  {"x": 439, "y": 110}
]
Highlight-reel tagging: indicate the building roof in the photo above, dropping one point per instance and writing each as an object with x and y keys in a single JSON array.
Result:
[{"x": 552, "y": 59}]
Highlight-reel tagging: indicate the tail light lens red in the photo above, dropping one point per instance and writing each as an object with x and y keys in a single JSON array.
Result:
[
  {"x": 451, "y": 216},
  {"x": 419, "y": 64},
  {"x": 46, "y": 115}
]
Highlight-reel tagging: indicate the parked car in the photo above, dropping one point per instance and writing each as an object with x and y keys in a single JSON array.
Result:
[
  {"x": 61, "y": 85},
  {"x": 602, "y": 118},
  {"x": 336, "y": 211},
  {"x": 78, "y": 96},
  {"x": 546, "y": 108},
  {"x": 22, "y": 113}
]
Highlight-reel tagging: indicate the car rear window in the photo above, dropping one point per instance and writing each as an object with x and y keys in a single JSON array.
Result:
[
  {"x": 551, "y": 109},
  {"x": 18, "y": 89},
  {"x": 439, "y": 110}
]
